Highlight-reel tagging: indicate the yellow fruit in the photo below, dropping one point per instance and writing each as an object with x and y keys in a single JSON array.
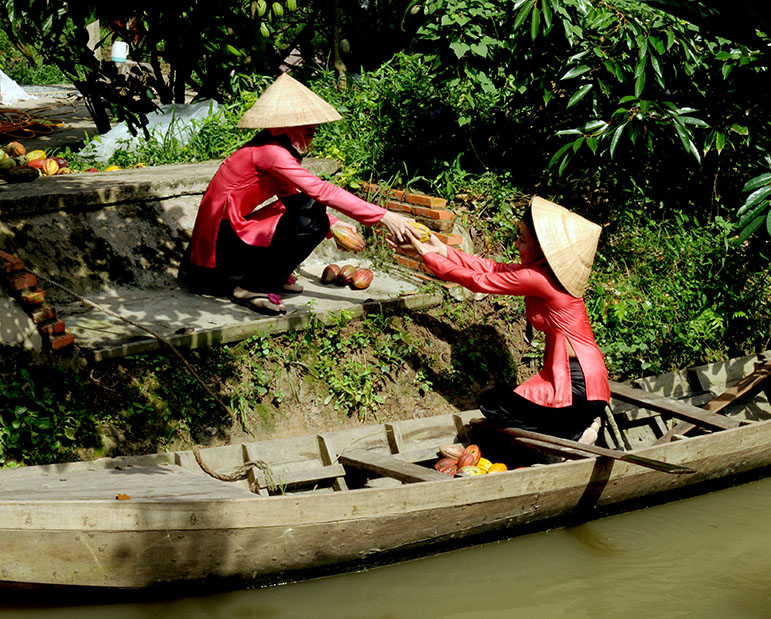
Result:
[
  {"x": 36, "y": 154},
  {"x": 484, "y": 464},
  {"x": 348, "y": 239},
  {"x": 497, "y": 467},
  {"x": 112, "y": 168},
  {"x": 469, "y": 471},
  {"x": 423, "y": 232}
]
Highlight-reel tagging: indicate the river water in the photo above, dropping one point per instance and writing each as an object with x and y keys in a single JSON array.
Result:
[{"x": 705, "y": 557}]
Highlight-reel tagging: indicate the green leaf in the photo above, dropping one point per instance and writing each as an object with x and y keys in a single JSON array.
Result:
[
  {"x": 768, "y": 223},
  {"x": 754, "y": 198},
  {"x": 739, "y": 129},
  {"x": 639, "y": 84},
  {"x": 69, "y": 433},
  {"x": 690, "y": 120},
  {"x": 523, "y": 13},
  {"x": 459, "y": 48},
  {"x": 749, "y": 229},
  {"x": 720, "y": 141},
  {"x": 480, "y": 49},
  {"x": 535, "y": 24},
  {"x": 579, "y": 94},
  {"x": 559, "y": 153},
  {"x": 547, "y": 15},
  {"x": 756, "y": 182},
  {"x": 616, "y": 137},
  {"x": 575, "y": 72},
  {"x": 564, "y": 164},
  {"x": 592, "y": 144}
]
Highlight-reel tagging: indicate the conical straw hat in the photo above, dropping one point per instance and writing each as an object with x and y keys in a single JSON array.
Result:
[
  {"x": 287, "y": 103},
  {"x": 568, "y": 241}
]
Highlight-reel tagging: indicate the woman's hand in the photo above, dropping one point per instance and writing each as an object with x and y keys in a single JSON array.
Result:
[
  {"x": 398, "y": 228},
  {"x": 432, "y": 246}
]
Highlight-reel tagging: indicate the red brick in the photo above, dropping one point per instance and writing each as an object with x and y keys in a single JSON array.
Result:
[
  {"x": 433, "y": 213},
  {"x": 52, "y": 327},
  {"x": 437, "y": 225},
  {"x": 410, "y": 263},
  {"x": 60, "y": 341},
  {"x": 21, "y": 281},
  {"x": 401, "y": 207},
  {"x": 450, "y": 239},
  {"x": 424, "y": 200},
  {"x": 33, "y": 297},
  {"x": 43, "y": 313},
  {"x": 10, "y": 263}
]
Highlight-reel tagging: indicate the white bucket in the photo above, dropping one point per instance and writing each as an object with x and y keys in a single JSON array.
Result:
[{"x": 119, "y": 51}]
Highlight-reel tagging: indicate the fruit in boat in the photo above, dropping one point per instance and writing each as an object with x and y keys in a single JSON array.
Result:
[
  {"x": 361, "y": 278},
  {"x": 474, "y": 453},
  {"x": 61, "y": 161},
  {"x": 64, "y": 170},
  {"x": 36, "y": 154},
  {"x": 348, "y": 239},
  {"x": 452, "y": 451},
  {"x": 50, "y": 167},
  {"x": 484, "y": 464},
  {"x": 91, "y": 170},
  {"x": 329, "y": 274},
  {"x": 14, "y": 149},
  {"x": 423, "y": 232},
  {"x": 497, "y": 467},
  {"x": 7, "y": 163},
  {"x": 448, "y": 466},
  {"x": 469, "y": 471},
  {"x": 345, "y": 275},
  {"x": 112, "y": 168}
]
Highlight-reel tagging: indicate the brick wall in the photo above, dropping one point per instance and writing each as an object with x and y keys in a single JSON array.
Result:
[
  {"x": 428, "y": 210},
  {"x": 22, "y": 286}
]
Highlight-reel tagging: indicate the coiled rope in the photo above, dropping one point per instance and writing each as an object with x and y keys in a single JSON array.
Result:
[{"x": 19, "y": 125}]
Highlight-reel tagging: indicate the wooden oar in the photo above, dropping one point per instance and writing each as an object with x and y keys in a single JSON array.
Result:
[{"x": 573, "y": 448}]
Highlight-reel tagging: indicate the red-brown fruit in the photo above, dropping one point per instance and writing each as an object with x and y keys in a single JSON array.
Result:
[
  {"x": 361, "y": 279},
  {"x": 330, "y": 273},
  {"x": 36, "y": 163},
  {"x": 345, "y": 275},
  {"x": 448, "y": 466},
  {"x": 474, "y": 454}
]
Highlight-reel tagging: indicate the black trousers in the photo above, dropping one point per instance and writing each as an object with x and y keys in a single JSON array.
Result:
[
  {"x": 263, "y": 269},
  {"x": 502, "y": 405}
]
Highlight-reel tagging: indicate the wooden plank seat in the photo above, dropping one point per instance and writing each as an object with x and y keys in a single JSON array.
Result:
[
  {"x": 674, "y": 408},
  {"x": 389, "y": 465},
  {"x": 748, "y": 387}
]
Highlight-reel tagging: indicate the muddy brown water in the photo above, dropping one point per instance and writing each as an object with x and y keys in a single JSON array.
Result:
[{"x": 706, "y": 556}]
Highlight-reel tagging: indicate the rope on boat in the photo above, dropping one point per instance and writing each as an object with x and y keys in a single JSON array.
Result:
[
  {"x": 242, "y": 472},
  {"x": 159, "y": 337}
]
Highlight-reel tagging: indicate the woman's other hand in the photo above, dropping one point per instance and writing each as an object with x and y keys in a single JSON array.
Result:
[{"x": 432, "y": 246}]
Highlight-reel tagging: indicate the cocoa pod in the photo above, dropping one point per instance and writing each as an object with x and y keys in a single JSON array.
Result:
[
  {"x": 64, "y": 170},
  {"x": 475, "y": 453},
  {"x": 14, "y": 149},
  {"x": 466, "y": 459},
  {"x": 423, "y": 232},
  {"x": 452, "y": 451},
  {"x": 361, "y": 278},
  {"x": 347, "y": 239},
  {"x": 469, "y": 471},
  {"x": 345, "y": 275},
  {"x": 50, "y": 167},
  {"x": 330, "y": 273},
  {"x": 36, "y": 154},
  {"x": 497, "y": 467},
  {"x": 448, "y": 466},
  {"x": 36, "y": 163},
  {"x": 61, "y": 161}
]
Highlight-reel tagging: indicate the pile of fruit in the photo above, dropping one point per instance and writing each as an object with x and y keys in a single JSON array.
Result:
[
  {"x": 466, "y": 462},
  {"x": 347, "y": 275},
  {"x": 18, "y": 165}
]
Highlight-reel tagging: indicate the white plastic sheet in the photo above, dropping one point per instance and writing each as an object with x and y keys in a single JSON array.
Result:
[
  {"x": 10, "y": 92},
  {"x": 177, "y": 120}
]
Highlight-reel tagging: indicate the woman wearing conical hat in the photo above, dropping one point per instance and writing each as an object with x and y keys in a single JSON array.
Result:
[
  {"x": 556, "y": 249},
  {"x": 249, "y": 253}
]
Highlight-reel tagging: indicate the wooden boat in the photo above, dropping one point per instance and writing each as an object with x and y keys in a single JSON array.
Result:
[{"x": 352, "y": 498}]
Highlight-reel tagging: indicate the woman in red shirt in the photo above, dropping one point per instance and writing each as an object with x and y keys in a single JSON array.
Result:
[
  {"x": 556, "y": 249},
  {"x": 263, "y": 213}
]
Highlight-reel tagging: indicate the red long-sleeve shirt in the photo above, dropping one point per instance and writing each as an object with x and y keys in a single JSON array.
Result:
[
  {"x": 550, "y": 308},
  {"x": 249, "y": 177}
]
